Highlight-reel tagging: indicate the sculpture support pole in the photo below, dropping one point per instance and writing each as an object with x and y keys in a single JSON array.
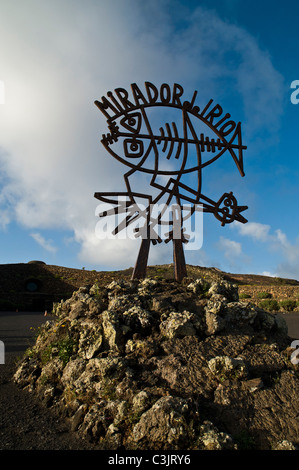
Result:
[
  {"x": 180, "y": 270},
  {"x": 141, "y": 263}
]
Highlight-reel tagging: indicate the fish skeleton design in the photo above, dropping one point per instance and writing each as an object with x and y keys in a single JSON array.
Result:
[{"x": 169, "y": 156}]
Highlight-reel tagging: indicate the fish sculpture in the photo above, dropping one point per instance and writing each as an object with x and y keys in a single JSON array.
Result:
[{"x": 167, "y": 161}]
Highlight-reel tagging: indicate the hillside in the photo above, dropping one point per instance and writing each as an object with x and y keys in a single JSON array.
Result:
[{"x": 36, "y": 285}]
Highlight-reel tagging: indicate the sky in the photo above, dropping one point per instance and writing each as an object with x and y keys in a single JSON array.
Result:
[{"x": 58, "y": 57}]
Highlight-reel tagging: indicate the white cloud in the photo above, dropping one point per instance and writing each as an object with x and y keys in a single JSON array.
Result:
[
  {"x": 4, "y": 219},
  {"x": 289, "y": 266},
  {"x": 282, "y": 239},
  {"x": 268, "y": 273},
  {"x": 236, "y": 259},
  {"x": 276, "y": 241},
  {"x": 231, "y": 248},
  {"x": 254, "y": 230},
  {"x": 46, "y": 244},
  {"x": 112, "y": 254},
  {"x": 117, "y": 253},
  {"x": 67, "y": 54},
  {"x": 289, "y": 250}
]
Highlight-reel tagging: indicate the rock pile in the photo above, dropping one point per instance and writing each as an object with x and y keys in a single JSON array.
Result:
[{"x": 160, "y": 365}]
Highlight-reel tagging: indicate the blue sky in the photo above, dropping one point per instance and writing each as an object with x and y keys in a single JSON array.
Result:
[{"x": 57, "y": 57}]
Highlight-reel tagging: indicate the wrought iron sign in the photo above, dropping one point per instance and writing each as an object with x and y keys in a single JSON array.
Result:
[{"x": 167, "y": 160}]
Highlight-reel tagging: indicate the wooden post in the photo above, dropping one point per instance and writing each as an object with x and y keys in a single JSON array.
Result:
[
  {"x": 141, "y": 263},
  {"x": 180, "y": 270}
]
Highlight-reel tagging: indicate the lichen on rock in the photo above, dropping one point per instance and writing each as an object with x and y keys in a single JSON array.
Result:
[
  {"x": 178, "y": 324},
  {"x": 165, "y": 425},
  {"x": 225, "y": 367}
]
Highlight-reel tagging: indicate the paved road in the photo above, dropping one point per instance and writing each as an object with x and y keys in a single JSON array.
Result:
[
  {"x": 17, "y": 330},
  {"x": 292, "y": 319}
]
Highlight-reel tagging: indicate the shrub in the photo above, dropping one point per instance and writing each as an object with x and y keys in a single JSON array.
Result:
[
  {"x": 64, "y": 349},
  {"x": 264, "y": 295},
  {"x": 288, "y": 304},
  {"x": 269, "y": 304},
  {"x": 280, "y": 280},
  {"x": 243, "y": 295}
]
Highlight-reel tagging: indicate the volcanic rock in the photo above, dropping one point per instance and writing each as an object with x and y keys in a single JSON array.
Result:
[{"x": 161, "y": 365}]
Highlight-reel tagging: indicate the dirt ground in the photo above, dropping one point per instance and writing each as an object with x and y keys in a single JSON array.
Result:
[{"x": 25, "y": 423}]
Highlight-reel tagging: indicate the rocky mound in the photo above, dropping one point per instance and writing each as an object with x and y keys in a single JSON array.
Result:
[{"x": 160, "y": 365}]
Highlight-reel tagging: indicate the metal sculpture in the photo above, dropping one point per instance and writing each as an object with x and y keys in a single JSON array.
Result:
[{"x": 169, "y": 156}]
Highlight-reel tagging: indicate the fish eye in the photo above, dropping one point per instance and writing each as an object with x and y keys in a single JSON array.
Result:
[
  {"x": 132, "y": 122},
  {"x": 133, "y": 148}
]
